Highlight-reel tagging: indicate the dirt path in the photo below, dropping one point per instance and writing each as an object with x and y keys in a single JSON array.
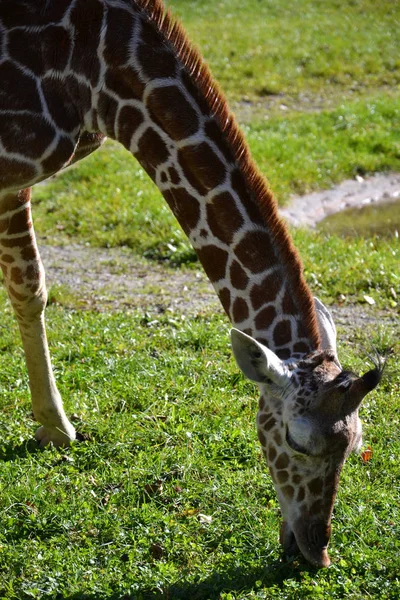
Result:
[
  {"x": 307, "y": 211},
  {"x": 115, "y": 279}
]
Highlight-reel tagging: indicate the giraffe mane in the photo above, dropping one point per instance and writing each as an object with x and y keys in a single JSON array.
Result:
[{"x": 201, "y": 76}]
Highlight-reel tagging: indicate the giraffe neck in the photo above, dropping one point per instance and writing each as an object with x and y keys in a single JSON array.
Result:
[
  {"x": 129, "y": 72},
  {"x": 159, "y": 100}
]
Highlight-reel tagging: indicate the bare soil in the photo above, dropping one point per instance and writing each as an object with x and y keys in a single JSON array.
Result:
[
  {"x": 114, "y": 279},
  {"x": 307, "y": 211}
]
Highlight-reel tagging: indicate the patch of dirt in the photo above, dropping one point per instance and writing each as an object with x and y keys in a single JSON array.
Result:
[
  {"x": 115, "y": 279},
  {"x": 307, "y": 211}
]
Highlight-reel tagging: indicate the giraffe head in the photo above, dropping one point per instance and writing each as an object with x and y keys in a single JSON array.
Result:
[{"x": 307, "y": 424}]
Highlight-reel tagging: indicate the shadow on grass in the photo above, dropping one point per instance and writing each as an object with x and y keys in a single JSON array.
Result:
[
  {"x": 10, "y": 452},
  {"x": 233, "y": 580}
]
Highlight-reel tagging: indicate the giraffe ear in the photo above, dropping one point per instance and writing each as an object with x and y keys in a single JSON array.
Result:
[
  {"x": 256, "y": 361},
  {"x": 326, "y": 327}
]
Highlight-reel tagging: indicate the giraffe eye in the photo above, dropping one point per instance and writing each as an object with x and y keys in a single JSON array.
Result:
[{"x": 294, "y": 445}]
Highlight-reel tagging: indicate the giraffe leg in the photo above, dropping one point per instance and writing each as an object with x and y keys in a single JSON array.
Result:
[{"x": 24, "y": 279}]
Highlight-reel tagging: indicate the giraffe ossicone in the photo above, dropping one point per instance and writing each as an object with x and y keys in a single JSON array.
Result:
[{"x": 75, "y": 71}]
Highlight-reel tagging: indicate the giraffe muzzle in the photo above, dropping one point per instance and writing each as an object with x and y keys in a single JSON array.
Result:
[{"x": 309, "y": 539}]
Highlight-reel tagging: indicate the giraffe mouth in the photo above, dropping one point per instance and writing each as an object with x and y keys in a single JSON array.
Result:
[
  {"x": 306, "y": 540},
  {"x": 288, "y": 540}
]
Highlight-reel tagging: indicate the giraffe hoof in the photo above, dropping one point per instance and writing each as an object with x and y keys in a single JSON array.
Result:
[{"x": 48, "y": 436}]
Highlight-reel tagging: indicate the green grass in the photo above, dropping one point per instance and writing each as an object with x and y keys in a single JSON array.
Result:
[
  {"x": 352, "y": 267},
  {"x": 307, "y": 51},
  {"x": 172, "y": 438},
  {"x": 169, "y": 421}
]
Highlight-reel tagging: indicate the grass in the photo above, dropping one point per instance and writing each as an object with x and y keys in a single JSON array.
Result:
[
  {"x": 169, "y": 496},
  {"x": 307, "y": 51}
]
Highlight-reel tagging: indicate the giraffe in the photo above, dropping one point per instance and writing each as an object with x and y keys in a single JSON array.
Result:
[{"x": 75, "y": 71}]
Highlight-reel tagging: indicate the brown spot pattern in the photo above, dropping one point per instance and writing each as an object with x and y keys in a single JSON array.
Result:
[
  {"x": 12, "y": 170},
  {"x": 22, "y": 133},
  {"x": 239, "y": 278},
  {"x": 152, "y": 151},
  {"x": 288, "y": 491},
  {"x": 174, "y": 176},
  {"x": 240, "y": 310},
  {"x": 120, "y": 24},
  {"x": 195, "y": 92},
  {"x": 271, "y": 454},
  {"x": 270, "y": 423},
  {"x": 288, "y": 306},
  {"x": 19, "y": 222},
  {"x": 50, "y": 50},
  {"x": 167, "y": 102},
  {"x": 225, "y": 298},
  {"x": 283, "y": 461},
  {"x": 61, "y": 155},
  {"x": 31, "y": 272},
  {"x": 16, "y": 275},
  {"x": 154, "y": 56},
  {"x": 316, "y": 507},
  {"x": 265, "y": 317},
  {"x": 264, "y": 417},
  {"x": 301, "y": 494},
  {"x": 243, "y": 190},
  {"x": 215, "y": 134},
  {"x": 282, "y": 476},
  {"x": 265, "y": 292},
  {"x": 202, "y": 168},
  {"x": 262, "y": 438},
  {"x": 87, "y": 17},
  {"x": 223, "y": 217},
  {"x": 18, "y": 90},
  {"x": 283, "y": 333},
  {"x": 130, "y": 118},
  {"x": 316, "y": 486},
  {"x": 107, "y": 110},
  {"x": 301, "y": 348},
  {"x": 7, "y": 258},
  {"x": 185, "y": 208},
  {"x": 214, "y": 261},
  {"x": 255, "y": 251},
  {"x": 29, "y": 253},
  {"x": 63, "y": 111}
]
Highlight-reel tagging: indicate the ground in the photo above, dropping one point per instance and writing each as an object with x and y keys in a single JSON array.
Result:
[{"x": 117, "y": 279}]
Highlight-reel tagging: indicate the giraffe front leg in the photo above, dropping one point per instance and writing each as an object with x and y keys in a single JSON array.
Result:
[{"x": 24, "y": 279}]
